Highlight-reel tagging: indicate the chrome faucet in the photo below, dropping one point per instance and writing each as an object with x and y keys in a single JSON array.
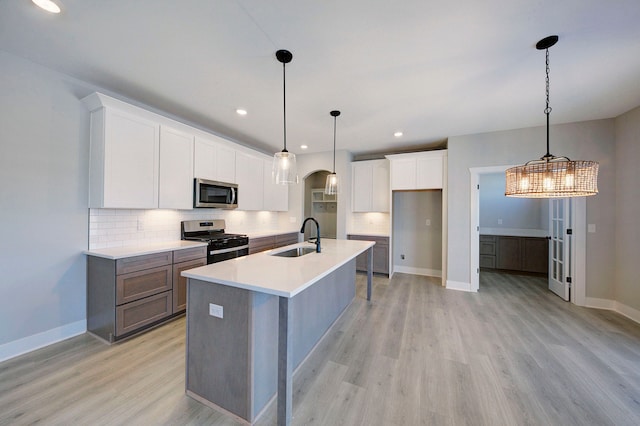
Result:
[{"x": 317, "y": 241}]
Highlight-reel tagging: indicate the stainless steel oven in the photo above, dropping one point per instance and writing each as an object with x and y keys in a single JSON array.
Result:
[{"x": 220, "y": 245}]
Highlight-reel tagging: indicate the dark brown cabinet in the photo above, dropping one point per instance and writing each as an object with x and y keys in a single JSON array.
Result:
[
  {"x": 256, "y": 245},
  {"x": 526, "y": 254},
  {"x": 380, "y": 254},
  {"x": 127, "y": 295},
  {"x": 183, "y": 260}
]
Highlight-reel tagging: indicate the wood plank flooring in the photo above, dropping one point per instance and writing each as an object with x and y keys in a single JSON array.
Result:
[{"x": 512, "y": 354}]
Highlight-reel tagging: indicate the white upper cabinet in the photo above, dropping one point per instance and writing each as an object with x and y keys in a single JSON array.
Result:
[
  {"x": 214, "y": 161},
  {"x": 276, "y": 197},
  {"x": 370, "y": 187},
  {"x": 176, "y": 169},
  {"x": 249, "y": 176},
  {"x": 419, "y": 170},
  {"x": 124, "y": 160}
]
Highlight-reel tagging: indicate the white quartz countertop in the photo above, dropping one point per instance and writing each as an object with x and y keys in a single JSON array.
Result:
[
  {"x": 514, "y": 232},
  {"x": 281, "y": 276},
  {"x": 115, "y": 253}
]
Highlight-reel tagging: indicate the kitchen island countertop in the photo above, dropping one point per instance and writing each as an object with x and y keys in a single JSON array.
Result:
[{"x": 281, "y": 276}]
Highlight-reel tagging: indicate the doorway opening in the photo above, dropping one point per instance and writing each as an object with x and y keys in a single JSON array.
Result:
[
  {"x": 317, "y": 204},
  {"x": 539, "y": 213}
]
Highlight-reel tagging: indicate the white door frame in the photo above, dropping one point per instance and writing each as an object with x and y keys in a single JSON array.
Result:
[{"x": 578, "y": 287}]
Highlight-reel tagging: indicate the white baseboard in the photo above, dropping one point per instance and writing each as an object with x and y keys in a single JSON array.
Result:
[
  {"x": 417, "y": 271},
  {"x": 613, "y": 305},
  {"x": 594, "y": 302},
  {"x": 40, "y": 340},
  {"x": 458, "y": 285}
]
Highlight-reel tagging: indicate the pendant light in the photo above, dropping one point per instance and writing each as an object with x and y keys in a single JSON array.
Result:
[
  {"x": 284, "y": 163},
  {"x": 331, "y": 187},
  {"x": 551, "y": 176}
]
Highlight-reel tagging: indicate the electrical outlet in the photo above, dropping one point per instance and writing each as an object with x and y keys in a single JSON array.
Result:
[
  {"x": 292, "y": 219},
  {"x": 402, "y": 256},
  {"x": 140, "y": 225},
  {"x": 216, "y": 310},
  {"x": 591, "y": 228},
  {"x": 499, "y": 221},
  {"x": 428, "y": 222}
]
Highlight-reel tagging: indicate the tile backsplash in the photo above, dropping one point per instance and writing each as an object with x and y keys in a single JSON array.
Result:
[
  {"x": 370, "y": 223},
  {"x": 121, "y": 227}
]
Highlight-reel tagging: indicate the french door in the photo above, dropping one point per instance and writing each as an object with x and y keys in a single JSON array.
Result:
[{"x": 560, "y": 246}]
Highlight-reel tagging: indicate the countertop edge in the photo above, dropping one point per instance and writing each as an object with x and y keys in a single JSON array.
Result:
[{"x": 115, "y": 253}]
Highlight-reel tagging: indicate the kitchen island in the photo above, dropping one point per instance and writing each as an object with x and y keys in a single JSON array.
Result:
[{"x": 252, "y": 320}]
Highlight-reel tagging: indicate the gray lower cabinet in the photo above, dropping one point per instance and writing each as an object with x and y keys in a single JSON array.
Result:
[
  {"x": 380, "y": 253},
  {"x": 125, "y": 296},
  {"x": 512, "y": 253},
  {"x": 256, "y": 245}
]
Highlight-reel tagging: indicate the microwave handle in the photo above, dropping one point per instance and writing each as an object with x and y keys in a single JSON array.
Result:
[{"x": 233, "y": 196}]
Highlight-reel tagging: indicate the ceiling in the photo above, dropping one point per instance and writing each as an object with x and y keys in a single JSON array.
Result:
[{"x": 431, "y": 69}]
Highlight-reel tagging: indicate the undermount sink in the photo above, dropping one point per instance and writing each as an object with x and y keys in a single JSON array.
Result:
[{"x": 295, "y": 252}]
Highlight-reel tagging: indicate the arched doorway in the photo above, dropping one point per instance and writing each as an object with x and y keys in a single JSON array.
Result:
[{"x": 322, "y": 207}]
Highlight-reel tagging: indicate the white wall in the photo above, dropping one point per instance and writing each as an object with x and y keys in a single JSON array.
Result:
[
  {"x": 627, "y": 128},
  {"x": 514, "y": 213},
  {"x": 590, "y": 140},
  {"x": 421, "y": 244},
  {"x": 44, "y": 163}
]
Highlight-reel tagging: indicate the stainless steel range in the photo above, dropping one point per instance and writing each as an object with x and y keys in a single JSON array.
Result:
[{"x": 221, "y": 246}]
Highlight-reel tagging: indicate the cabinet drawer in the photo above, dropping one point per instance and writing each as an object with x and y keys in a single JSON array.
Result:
[
  {"x": 189, "y": 254},
  {"x": 286, "y": 239},
  {"x": 136, "y": 285},
  {"x": 487, "y": 248},
  {"x": 180, "y": 283},
  {"x": 131, "y": 316},
  {"x": 487, "y": 261},
  {"x": 139, "y": 263}
]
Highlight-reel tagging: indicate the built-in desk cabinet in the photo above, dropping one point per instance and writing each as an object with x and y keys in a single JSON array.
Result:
[
  {"x": 513, "y": 253},
  {"x": 380, "y": 253},
  {"x": 128, "y": 295}
]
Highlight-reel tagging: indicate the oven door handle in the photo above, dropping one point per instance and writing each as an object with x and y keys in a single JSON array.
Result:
[{"x": 228, "y": 250}]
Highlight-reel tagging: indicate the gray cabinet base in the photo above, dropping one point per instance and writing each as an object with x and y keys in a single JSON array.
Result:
[{"x": 232, "y": 362}]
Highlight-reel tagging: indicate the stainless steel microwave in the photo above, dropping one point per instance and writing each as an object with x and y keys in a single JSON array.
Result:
[{"x": 212, "y": 194}]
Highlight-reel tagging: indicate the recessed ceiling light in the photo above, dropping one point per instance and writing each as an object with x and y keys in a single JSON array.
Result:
[
  {"x": 303, "y": 147},
  {"x": 397, "y": 134},
  {"x": 47, "y": 5},
  {"x": 241, "y": 111}
]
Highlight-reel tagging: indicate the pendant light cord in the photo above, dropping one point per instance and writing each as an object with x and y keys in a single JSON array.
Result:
[
  {"x": 284, "y": 103},
  {"x": 334, "y": 144},
  {"x": 547, "y": 110}
]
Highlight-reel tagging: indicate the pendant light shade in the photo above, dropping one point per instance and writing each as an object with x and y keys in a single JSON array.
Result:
[
  {"x": 331, "y": 186},
  {"x": 284, "y": 170},
  {"x": 551, "y": 176}
]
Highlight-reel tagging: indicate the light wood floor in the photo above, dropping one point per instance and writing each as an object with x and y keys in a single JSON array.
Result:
[{"x": 512, "y": 354}]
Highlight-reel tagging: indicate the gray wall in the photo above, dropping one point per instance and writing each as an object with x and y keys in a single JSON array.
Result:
[
  {"x": 44, "y": 163},
  {"x": 519, "y": 213},
  {"x": 627, "y": 208},
  {"x": 420, "y": 243},
  {"x": 590, "y": 140}
]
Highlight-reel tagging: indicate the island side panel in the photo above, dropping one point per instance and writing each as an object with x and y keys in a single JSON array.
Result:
[
  {"x": 314, "y": 311},
  {"x": 218, "y": 349},
  {"x": 265, "y": 353},
  {"x": 317, "y": 307}
]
